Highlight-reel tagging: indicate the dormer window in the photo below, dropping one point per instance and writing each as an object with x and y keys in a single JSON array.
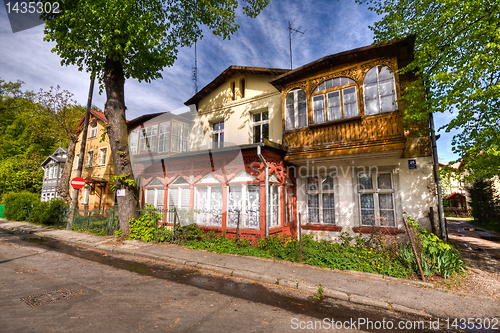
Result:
[
  {"x": 233, "y": 91},
  {"x": 296, "y": 109},
  {"x": 335, "y": 99},
  {"x": 380, "y": 90},
  {"x": 242, "y": 88},
  {"x": 93, "y": 130}
]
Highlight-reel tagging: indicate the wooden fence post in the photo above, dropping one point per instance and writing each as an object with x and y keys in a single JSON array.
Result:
[
  {"x": 412, "y": 241},
  {"x": 300, "y": 238},
  {"x": 238, "y": 227}
]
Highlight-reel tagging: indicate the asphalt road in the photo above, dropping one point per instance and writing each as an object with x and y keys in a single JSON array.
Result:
[{"x": 49, "y": 286}]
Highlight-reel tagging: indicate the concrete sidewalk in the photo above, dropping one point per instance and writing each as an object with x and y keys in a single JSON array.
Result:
[{"x": 400, "y": 295}]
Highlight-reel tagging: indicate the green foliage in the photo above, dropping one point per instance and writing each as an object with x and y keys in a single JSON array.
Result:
[
  {"x": 28, "y": 134},
  {"x": 434, "y": 254},
  {"x": 124, "y": 179},
  {"x": 319, "y": 295},
  {"x": 146, "y": 227},
  {"x": 48, "y": 212},
  {"x": 118, "y": 233},
  {"x": 457, "y": 63},
  {"x": 143, "y": 36},
  {"x": 19, "y": 205},
  {"x": 484, "y": 204}
]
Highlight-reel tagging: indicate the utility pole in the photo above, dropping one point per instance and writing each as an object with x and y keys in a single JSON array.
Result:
[
  {"x": 79, "y": 167},
  {"x": 292, "y": 33}
]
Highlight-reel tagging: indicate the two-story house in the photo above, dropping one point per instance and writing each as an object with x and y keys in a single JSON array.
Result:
[
  {"x": 153, "y": 137},
  {"x": 52, "y": 170},
  {"x": 97, "y": 165},
  {"x": 357, "y": 168}
]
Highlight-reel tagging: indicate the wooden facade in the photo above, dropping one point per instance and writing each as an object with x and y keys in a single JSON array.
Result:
[{"x": 361, "y": 133}]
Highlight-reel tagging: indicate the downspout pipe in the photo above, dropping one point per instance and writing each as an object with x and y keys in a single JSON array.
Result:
[
  {"x": 442, "y": 220},
  {"x": 266, "y": 187}
]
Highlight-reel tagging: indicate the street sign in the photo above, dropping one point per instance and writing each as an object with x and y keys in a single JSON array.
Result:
[{"x": 78, "y": 182}]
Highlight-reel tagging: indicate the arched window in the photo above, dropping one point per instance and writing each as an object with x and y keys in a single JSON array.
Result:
[
  {"x": 338, "y": 97},
  {"x": 380, "y": 90},
  {"x": 296, "y": 109}
]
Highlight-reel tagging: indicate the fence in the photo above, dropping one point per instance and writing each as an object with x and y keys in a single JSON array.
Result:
[
  {"x": 457, "y": 212},
  {"x": 99, "y": 221}
]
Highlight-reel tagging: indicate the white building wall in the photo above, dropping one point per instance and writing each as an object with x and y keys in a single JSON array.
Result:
[
  {"x": 260, "y": 96},
  {"x": 414, "y": 191}
]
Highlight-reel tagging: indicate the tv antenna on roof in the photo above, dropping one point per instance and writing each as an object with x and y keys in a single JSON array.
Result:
[
  {"x": 195, "y": 71},
  {"x": 292, "y": 33}
]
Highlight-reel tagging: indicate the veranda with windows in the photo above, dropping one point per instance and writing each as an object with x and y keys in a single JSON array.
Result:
[{"x": 223, "y": 190}]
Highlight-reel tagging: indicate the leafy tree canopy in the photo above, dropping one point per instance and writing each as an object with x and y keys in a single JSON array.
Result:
[
  {"x": 457, "y": 62},
  {"x": 143, "y": 35},
  {"x": 28, "y": 134}
]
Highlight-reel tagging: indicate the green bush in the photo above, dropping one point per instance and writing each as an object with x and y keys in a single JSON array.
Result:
[
  {"x": 18, "y": 205},
  {"x": 434, "y": 254},
  {"x": 146, "y": 227},
  {"x": 48, "y": 212}
]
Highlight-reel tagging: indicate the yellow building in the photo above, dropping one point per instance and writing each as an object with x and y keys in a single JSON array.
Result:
[{"x": 97, "y": 165}]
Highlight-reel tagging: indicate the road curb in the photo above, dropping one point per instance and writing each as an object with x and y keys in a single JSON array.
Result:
[{"x": 136, "y": 251}]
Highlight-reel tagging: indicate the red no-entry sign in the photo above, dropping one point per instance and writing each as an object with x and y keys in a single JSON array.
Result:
[{"x": 78, "y": 182}]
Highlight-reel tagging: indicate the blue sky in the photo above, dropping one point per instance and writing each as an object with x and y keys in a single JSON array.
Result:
[{"x": 332, "y": 27}]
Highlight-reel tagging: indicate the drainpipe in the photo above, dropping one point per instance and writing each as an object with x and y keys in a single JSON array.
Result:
[{"x": 266, "y": 187}]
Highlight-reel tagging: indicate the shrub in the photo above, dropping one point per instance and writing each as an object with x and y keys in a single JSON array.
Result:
[
  {"x": 48, "y": 212},
  {"x": 146, "y": 227},
  {"x": 18, "y": 205},
  {"x": 434, "y": 254}
]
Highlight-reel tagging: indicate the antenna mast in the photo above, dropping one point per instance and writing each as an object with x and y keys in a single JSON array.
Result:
[
  {"x": 195, "y": 71},
  {"x": 292, "y": 33}
]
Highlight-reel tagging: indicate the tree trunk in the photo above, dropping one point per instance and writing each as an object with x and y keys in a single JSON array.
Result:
[
  {"x": 63, "y": 189},
  {"x": 114, "y": 111}
]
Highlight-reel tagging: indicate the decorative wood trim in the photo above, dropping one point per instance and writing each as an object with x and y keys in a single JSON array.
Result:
[
  {"x": 322, "y": 227},
  {"x": 326, "y": 123},
  {"x": 378, "y": 230}
]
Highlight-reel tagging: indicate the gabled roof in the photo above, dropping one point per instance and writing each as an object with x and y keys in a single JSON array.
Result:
[
  {"x": 359, "y": 54},
  {"x": 143, "y": 118},
  {"x": 455, "y": 194},
  {"x": 97, "y": 114},
  {"x": 227, "y": 74}
]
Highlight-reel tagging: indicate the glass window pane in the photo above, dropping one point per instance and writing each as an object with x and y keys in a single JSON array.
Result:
[
  {"x": 265, "y": 115},
  {"x": 336, "y": 82},
  {"x": 334, "y": 109},
  {"x": 160, "y": 197},
  {"x": 385, "y": 201},
  {"x": 312, "y": 183},
  {"x": 388, "y": 103},
  {"x": 350, "y": 102},
  {"x": 384, "y": 181},
  {"x": 387, "y": 88},
  {"x": 216, "y": 206},
  {"x": 290, "y": 112},
  {"x": 328, "y": 208},
  {"x": 365, "y": 182},
  {"x": 367, "y": 217},
  {"x": 150, "y": 196},
  {"x": 385, "y": 73},
  {"x": 371, "y": 76},
  {"x": 367, "y": 201},
  {"x": 319, "y": 109},
  {"x": 265, "y": 131},
  {"x": 256, "y": 134},
  {"x": 302, "y": 108},
  {"x": 313, "y": 208},
  {"x": 327, "y": 184},
  {"x": 253, "y": 206},
  {"x": 256, "y": 117},
  {"x": 329, "y": 84},
  {"x": 387, "y": 218}
]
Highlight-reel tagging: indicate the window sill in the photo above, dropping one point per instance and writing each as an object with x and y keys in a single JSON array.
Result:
[
  {"x": 322, "y": 227},
  {"x": 327, "y": 123},
  {"x": 296, "y": 130},
  {"x": 378, "y": 230}
]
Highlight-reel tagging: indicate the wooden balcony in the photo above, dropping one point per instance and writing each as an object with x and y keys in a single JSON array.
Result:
[{"x": 381, "y": 132}]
